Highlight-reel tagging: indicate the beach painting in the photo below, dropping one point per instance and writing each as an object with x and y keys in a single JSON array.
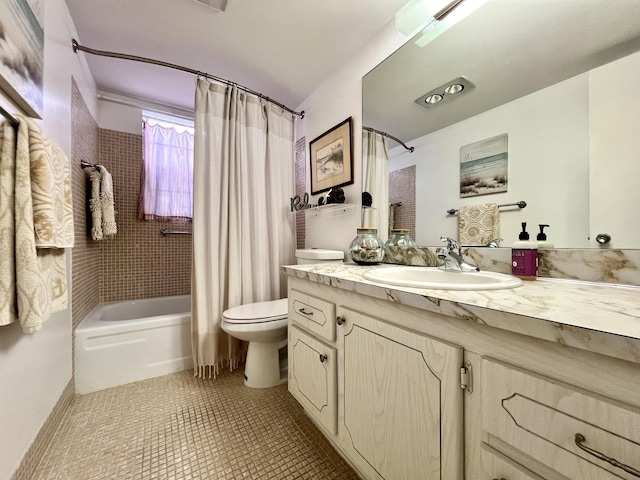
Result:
[
  {"x": 330, "y": 160},
  {"x": 22, "y": 53},
  {"x": 483, "y": 167}
]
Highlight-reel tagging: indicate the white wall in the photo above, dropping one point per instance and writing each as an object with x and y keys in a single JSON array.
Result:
[
  {"x": 615, "y": 151},
  {"x": 548, "y": 146},
  {"x": 35, "y": 369},
  {"x": 337, "y": 99}
]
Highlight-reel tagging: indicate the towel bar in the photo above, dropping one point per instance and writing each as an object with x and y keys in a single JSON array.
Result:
[
  {"x": 164, "y": 232},
  {"x": 520, "y": 204}
]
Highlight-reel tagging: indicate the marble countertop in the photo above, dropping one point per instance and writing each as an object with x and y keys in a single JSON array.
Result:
[{"x": 575, "y": 313}]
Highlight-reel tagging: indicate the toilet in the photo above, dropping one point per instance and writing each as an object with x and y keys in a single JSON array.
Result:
[{"x": 264, "y": 326}]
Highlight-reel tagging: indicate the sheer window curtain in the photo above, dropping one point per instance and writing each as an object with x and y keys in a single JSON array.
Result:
[
  {"x": 167, "y": 173},
  {"x": 242, "y": 232},
  {"x": 376, "y": 181}
]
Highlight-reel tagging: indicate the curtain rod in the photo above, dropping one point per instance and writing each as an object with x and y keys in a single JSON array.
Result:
[
  {"x": 135, "y": 58},
  {"x": 385, "y": 134}
]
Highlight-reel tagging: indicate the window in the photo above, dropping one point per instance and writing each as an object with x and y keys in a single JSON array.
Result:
[{"x": 166, "y": 187}]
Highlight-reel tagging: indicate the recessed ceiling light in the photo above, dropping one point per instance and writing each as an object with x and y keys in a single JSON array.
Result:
[
  {"x": 454, "y": 88},
  {"x": 435, "y": 98}
]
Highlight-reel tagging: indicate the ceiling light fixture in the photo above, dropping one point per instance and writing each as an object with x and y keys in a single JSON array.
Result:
[
  {"x": 217, "y": 5},
  {"x": 448, "y": 91}
]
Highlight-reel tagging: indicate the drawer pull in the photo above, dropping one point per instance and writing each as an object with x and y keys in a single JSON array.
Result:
[
  {"x": 323, "y": 358},
  {"x": 339, "y": 319},
  {"x": 580, "y": 441},
  {"x": 304, "y": 312}
]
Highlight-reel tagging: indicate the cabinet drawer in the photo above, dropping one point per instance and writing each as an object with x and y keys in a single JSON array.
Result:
[
  {"x": 312, "y": 377},
  {"x": 542, "y": 418},
  {"x": 314, "y": 314},
  {"x": 498, "y": 467}
]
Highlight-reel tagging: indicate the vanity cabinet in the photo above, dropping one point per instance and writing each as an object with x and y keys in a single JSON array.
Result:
[
  {"x": 312, "y": 356},
  {"x": 389, "y": 399},
  {"x": 383, "y": 381},
  {"x": 400, "y": 408}
]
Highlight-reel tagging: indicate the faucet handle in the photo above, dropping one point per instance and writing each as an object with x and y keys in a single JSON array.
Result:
[{"x": 452, "y": 245}]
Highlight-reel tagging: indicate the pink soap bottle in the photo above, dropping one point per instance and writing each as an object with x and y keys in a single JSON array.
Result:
[{"x": 524, "y": 256}]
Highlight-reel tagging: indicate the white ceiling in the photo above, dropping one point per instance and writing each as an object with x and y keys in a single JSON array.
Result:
[{"x": 282, "y": 48}]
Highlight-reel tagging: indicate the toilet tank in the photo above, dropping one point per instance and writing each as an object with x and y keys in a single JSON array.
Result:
[{"x": 318, "y": 255}]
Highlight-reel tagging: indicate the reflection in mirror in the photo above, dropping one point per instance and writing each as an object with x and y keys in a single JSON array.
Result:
[
  {"x": 378, "y": 212},
  {"x": 564, "y": 93}
]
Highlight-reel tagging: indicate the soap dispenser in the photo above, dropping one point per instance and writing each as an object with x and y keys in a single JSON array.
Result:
[
  {"x": 524, "y": 256},
  {"x": 542, "y": 238}
]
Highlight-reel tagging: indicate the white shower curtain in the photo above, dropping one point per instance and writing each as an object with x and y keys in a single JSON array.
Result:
[
  {"x": 376, "y": 181},
  {"x": 242, "y": 232}
]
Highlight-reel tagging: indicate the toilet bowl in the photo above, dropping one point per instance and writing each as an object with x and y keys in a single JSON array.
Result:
[{"x": 264, "y": 326}]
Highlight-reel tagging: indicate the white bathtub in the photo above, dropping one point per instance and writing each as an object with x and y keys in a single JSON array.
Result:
[{"x": 124, "y": 342}]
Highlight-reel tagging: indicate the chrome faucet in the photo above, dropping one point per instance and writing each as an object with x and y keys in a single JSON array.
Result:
[
  {"x": 495, "y": 243},
  {"x": 452, "y": 257}
]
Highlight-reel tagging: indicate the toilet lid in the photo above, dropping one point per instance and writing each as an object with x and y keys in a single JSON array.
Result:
[{"x": 257, "y": 312}]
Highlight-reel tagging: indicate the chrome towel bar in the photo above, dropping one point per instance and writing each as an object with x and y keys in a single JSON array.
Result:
[{"x": 164, "y": 232}]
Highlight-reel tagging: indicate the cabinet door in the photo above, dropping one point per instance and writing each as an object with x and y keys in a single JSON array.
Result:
[
  {"x": 312, "y": 377},
  {"x": 569, "y": 430},
  {"x": 400, "y": 401}
]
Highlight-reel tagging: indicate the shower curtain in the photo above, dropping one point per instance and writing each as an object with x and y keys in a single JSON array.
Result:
[
  {"x": 242, "y": 231},
  {"x": 376, "y": 181}
]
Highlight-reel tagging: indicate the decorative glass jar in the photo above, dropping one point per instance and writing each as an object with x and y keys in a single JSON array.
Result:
[
  {"x": 398, "y": 239},
  {"x": 367, "y": 248}
]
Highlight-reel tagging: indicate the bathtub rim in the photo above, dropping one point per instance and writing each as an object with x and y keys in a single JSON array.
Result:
[{"x": 92, "y": 323}]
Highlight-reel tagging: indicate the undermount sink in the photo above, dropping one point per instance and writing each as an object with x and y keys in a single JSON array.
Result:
[{"x": 435, "y": 278}]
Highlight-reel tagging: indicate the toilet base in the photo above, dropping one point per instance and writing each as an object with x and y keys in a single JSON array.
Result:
[{"x": 262, "y": 366}]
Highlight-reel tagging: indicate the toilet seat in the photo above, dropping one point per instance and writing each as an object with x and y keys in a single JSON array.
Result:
[{"x": 260, "y": 312}]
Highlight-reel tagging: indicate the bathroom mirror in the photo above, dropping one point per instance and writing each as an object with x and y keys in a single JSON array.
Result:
[{"x": 559, "y": 78}]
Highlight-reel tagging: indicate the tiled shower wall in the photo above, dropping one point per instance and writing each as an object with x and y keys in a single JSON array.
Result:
[
  {"x": 402, "y": 188},
  {"x": 300, "y": 173},
  {"x": 85, "y": 277},
  {"x": 138, "y": 262}
]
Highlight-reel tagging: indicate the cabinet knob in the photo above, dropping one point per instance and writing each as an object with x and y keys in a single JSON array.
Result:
[
  {"x": 339, "y": 319},
  {"x": 323, "y": 358}
]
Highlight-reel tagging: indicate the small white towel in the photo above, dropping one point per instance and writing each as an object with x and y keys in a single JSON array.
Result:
[
  {"x": 109, "y": 228},
  {"x": 478, "y": 224},
  {"x": 103, "y": 221},
  {"x": 95, "y": 205}
]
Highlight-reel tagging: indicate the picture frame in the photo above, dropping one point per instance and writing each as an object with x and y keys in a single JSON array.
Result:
[
  {"x": 331, "y": 158},
  {"x": 22, "y": 55},
  {"x": 484, "y": 166}
]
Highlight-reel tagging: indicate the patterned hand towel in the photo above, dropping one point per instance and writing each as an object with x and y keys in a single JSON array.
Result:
[
  {"x": 41, "y": 279},
  {"x": 50, "y": 190},
  {"x": 478, "y": 224},
  {"x": 8, "y": 312}
]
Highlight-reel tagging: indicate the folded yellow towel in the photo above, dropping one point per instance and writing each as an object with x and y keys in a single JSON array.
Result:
[{"x": 478, "y": 224}]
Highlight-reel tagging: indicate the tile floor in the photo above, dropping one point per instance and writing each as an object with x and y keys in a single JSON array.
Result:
[{"x": 181, "y": 427}]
